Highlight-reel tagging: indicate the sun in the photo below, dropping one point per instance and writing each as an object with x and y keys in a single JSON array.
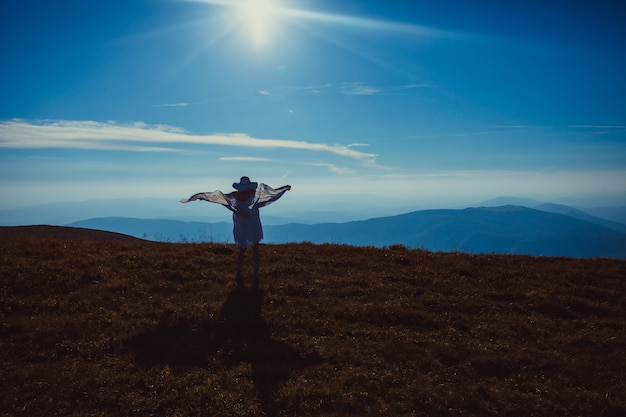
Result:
[{"x": 259, "y": 17}]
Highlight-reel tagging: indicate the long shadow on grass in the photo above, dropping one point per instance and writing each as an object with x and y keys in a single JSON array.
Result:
[{"x": 240, "y": 335}]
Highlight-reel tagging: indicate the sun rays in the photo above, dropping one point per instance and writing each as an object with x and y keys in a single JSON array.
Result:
[
  {"x": 259, "y": 17},
  {"x": 260, "y": 20}
]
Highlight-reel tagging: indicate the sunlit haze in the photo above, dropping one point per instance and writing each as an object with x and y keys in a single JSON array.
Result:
[
  {"x": 260, "y": 17},
  {"x": 392, "y": 105}
]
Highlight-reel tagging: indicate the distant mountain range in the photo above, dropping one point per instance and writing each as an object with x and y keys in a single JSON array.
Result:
[
  {"x": 555, "y": 231},
  {"x": 59, "y": 214},
  {"x": 612, "y": 214}
]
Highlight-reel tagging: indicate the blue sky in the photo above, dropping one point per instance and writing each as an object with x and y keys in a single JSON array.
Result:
[{"x": 354, "y": 103}]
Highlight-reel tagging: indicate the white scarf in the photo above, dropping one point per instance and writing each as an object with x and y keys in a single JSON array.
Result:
[{"x": 264, "y": 195}]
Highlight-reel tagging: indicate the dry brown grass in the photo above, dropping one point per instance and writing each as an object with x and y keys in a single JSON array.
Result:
[{"x": 121, "y": 328}]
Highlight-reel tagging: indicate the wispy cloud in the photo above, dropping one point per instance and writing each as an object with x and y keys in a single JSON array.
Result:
[
  {"x": 600, "y": 130},
  {"x": 182, "y": 104},
  {"x": 333, "y": 168},
  {"x": 599, "y": 126},
  {"x": 141, "y": 137},
  {"x": 245, "y": 159},
  {"x": 347, "y": 88},
  {"x": 472, "y": 174},
  {"x": 363, "y": 90}
]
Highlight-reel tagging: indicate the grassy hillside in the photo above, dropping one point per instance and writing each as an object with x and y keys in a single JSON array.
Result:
[{"x": 101, "y": 328}]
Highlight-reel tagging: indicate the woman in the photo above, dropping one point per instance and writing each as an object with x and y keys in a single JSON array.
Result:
[{"x": 245, "y": 203}]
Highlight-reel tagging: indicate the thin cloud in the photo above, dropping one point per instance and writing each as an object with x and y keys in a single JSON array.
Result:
[
  {"x": 472, "y": 174},
  {"x": 333, "y": 168},
  {"x": 93, "y": 135},
  {"x": 347, "y": 88},
  {"x": 412, "y": 86},
  {"x": 599, "y": 126},
  {"x": 600, "y": 130},
  {"x": 363, "y": 90},
  {"x": 245, "y": 159},
  {"x": 182, "y": 104}
]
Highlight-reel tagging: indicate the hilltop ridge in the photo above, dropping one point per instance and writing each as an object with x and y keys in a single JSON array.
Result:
[{"x": 63, "y": 233}]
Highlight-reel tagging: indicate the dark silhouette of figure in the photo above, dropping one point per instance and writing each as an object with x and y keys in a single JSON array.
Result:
[{"x": 245, "y": 203}]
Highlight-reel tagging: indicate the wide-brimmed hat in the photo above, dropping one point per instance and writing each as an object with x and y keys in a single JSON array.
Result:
[{"x": 244, "y": 184}]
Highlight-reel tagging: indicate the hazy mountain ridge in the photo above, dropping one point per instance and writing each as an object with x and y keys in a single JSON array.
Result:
[
  {"x": 505, "y": 230},
  {"x": 60, "y": 214},
  {"x": 581, "y": 215}
]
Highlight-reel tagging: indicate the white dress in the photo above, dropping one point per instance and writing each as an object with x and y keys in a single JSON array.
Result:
[{"x": 247, "y": 229}]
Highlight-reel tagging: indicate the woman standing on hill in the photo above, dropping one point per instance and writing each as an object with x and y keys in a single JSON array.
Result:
[{"x": 245, "y": 203}]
